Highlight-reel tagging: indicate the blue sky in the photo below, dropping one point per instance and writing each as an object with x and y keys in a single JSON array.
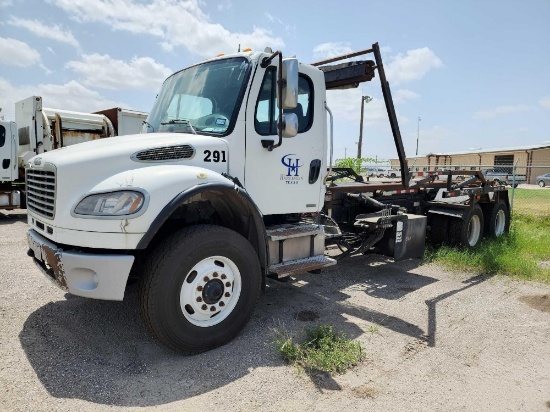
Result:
[{"x": 476, "y": 72}]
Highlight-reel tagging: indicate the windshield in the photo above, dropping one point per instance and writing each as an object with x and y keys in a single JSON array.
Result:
[{"x": 202, "y": 99}]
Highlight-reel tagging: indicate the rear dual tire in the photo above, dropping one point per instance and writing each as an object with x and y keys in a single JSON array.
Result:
[
  {"x": 497, "y": 218},
  {"x": 491, "y": 220},
  {"x": 468, "y": 231}
]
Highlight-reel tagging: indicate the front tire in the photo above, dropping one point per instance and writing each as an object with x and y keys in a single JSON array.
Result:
[
  {"x": 542, "y": 183},
  {"x": 199, "y": 288}
]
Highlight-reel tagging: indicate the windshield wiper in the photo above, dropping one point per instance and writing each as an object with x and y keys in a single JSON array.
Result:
[
  {"x": 181, "y": 121},
  {"x": 148, "y": 124}
]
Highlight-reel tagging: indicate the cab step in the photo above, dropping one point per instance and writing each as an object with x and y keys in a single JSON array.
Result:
[
  {"x": 294, "y": 267},
  {"x": 289, "y": 231}
]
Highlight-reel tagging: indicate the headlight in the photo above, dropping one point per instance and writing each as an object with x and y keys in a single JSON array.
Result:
[{"x": 111, "y": 204}]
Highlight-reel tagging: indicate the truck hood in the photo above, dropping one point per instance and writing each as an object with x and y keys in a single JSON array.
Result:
[
  {"x": 91, "y": 166},
  {"x": 121, "y": 148}
]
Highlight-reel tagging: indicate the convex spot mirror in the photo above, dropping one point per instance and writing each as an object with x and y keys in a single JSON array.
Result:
[
  {"x": 290, "y": 125},
  {"x": 289, "y": 99}
]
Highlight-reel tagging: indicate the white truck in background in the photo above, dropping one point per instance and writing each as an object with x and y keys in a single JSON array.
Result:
[{"x": 38, "y": 130}]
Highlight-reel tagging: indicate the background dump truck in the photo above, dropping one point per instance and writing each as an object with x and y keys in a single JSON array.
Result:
[
  {"x": 38, "y": 130},
  {"x": 233, "y": 183}
]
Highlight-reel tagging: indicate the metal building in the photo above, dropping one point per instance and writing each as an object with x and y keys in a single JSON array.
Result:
[{"x": 532, "y": 160}]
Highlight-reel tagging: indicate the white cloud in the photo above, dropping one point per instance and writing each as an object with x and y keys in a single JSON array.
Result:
[
  {"x": 6, "y": 3},
  {"x": 331, "y": 49},
  {"x": 289, "y": 29},
  {"x": 224, "y": 5},
  {"x": 346, "y": 106},
  {"x": 411, "y": 66},
  {"x": 500, "y": 110},
  {"x": 50, "y": 31},
  {"x": 545, "y": 102},
  {"x": 433, "y": 139},
  {"x": 270, "y": 17},
  {"x": 403, "y": 95},
  {"x": 175, "y": 23},
  {"x": 17, "y": 53},
  {"x": 102, "y": 71},
  {"x": 68, "y": 96}
]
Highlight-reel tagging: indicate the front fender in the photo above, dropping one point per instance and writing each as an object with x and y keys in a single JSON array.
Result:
[{"x": 237, "y": 211}]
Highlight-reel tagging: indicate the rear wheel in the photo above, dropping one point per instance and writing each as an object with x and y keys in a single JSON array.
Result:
[
  {"x": 542, "y": 183},
  {"x": 469, "y": 230},
  {"x": 497, "y": 219},
  {"x": 199, "y": 288},
  {"x": 439, "y": 229}
]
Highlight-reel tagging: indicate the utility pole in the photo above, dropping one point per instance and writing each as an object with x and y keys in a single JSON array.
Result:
[
  {"x": 417, "y": 135},
  {"x": 364, "y": 99},
  {"x": 345, "y": 152}
]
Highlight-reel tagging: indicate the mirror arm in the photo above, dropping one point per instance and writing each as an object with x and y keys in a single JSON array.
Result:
[
  {"x": 266, "y": 61},
  {"x": 280, "y": 125}
]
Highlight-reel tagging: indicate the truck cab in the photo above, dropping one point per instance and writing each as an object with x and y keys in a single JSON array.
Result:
[{"x": 9, "y": 147}]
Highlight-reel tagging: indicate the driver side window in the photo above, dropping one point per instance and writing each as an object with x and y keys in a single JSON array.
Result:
[{"x": 265, "y": 119}]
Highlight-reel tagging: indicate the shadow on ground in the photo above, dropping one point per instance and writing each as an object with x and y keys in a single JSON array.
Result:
[
  {"x": 12, "y": 217},
  {"x": 99, "y": 351}
]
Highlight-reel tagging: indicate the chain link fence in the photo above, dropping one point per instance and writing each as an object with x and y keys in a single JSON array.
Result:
[{"x": 532, "y": 194}]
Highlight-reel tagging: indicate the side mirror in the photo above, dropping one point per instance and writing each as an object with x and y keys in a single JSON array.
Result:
[
  {"x": 289, "y": 99},
  {"x": 290, "y": 125}
]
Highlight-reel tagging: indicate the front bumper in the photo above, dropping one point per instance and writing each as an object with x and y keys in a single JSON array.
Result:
[{"x": 96, "y": 276}]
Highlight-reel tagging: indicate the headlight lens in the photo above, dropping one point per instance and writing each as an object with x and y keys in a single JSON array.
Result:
[{"x": 111, "y": 204}]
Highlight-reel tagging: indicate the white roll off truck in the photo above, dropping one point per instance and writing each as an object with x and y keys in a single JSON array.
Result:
[{"x": 226, "y": 186}]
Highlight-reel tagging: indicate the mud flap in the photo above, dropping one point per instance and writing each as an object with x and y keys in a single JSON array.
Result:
[{"x": 406, "y": 239}]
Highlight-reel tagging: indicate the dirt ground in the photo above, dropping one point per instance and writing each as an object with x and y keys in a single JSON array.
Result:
[{"x": 435, "y": 340}]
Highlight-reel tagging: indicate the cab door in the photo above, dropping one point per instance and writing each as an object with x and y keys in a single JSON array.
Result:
[
  {"x": 289, "y": 178},
  {"x": 8, "y": 151}
]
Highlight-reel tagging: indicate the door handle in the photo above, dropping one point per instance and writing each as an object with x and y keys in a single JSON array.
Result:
[{"x": 314, "y": 170}]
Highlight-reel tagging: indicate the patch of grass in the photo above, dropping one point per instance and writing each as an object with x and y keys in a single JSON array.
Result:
[
  {"x": 373, "y": 329},
  {"x": 517, "y": 254},
  {"x": 323, "y": 350},
  {"x": 532, "y": 201}
]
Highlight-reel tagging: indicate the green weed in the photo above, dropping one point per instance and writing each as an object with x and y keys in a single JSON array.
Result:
[
  {"x": 323, "y": 350},
  {"x": 517, "y": 254}
]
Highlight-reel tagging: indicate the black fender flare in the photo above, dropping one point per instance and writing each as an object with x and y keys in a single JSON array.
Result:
[{"x": 232, "y": 197}]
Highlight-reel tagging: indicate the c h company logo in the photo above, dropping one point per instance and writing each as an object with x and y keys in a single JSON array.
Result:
[{"x": 293, "y": 165}]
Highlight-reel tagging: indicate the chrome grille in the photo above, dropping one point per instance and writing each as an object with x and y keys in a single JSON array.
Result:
[
  {"x": 41, "y": 192},
  {"x": 159, "y": 154}
]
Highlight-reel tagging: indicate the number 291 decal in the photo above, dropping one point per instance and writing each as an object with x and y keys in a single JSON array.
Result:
[{"x": 215, "y": 156}]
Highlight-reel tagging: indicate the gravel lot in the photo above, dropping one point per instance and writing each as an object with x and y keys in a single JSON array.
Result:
[{"x": 435, "y": 340}]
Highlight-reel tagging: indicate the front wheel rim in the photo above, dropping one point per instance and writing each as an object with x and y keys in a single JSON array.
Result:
[
  {"x": 474, "y": 230},
  {"x": 210, "y": 291},
  {"x": 500, "y": 223}
]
